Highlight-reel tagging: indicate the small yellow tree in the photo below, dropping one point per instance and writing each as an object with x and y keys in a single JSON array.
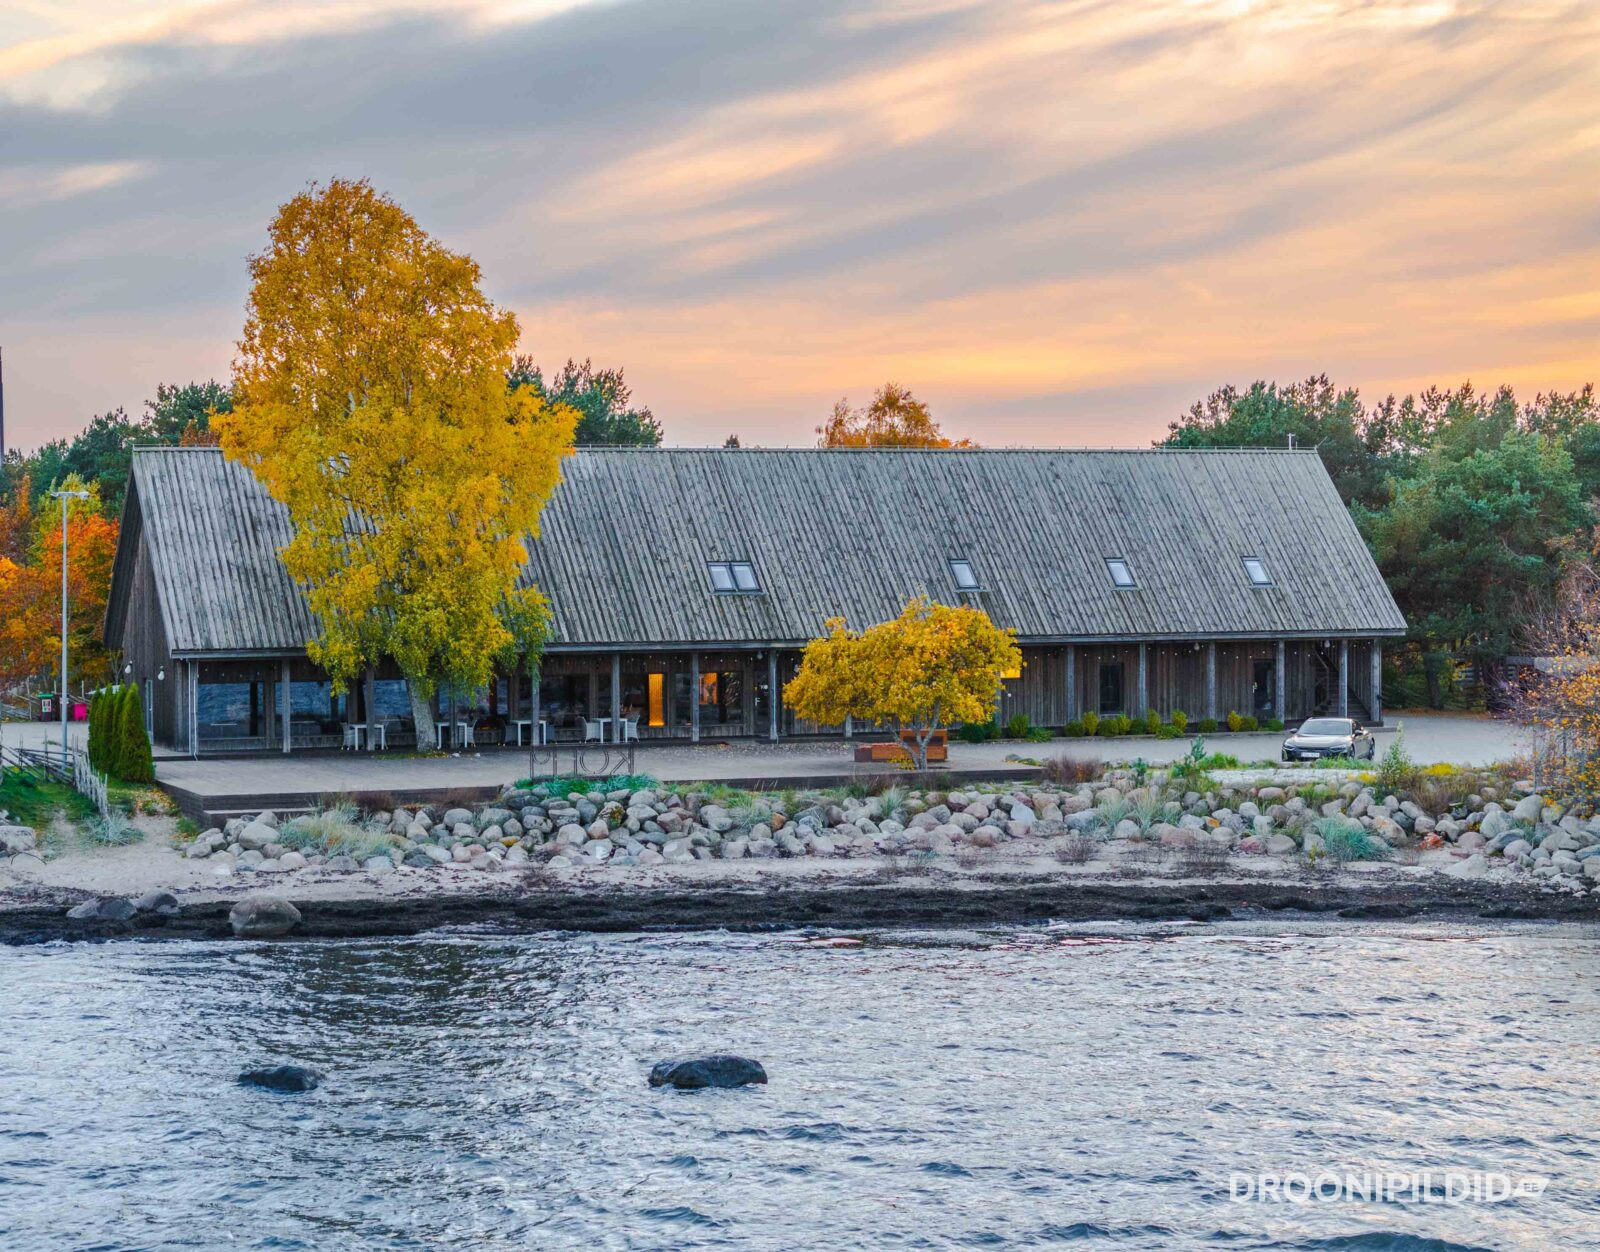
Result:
[
  {"x": 930, "y": 667},
  {"x": 894, "y": 419},
  {"x": 370, "y": 398}
]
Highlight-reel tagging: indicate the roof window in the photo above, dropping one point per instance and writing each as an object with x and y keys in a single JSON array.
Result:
[
  {"x": 1121, "y": 573},
  {"x": 966, "y": 577},
  {"x": 731, "y": 578},
  {"x": 1255, "y": 570}
]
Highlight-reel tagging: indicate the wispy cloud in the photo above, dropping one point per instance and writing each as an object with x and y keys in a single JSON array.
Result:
[{"x": 1059, "y": 220}]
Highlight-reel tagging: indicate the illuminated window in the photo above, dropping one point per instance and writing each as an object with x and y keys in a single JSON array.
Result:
[
  {"x": 656, "y": 700},
  {"x": 966, "y": 577},
  {"x": 1256, "y": 571},
  {"x": 733, "y": 578},
  {"x": 1121, "y": 573}
]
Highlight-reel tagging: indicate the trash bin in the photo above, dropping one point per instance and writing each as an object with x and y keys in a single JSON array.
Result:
[
  {"x": 80, "y": 711},
  {"x": 47, "y": 706}
]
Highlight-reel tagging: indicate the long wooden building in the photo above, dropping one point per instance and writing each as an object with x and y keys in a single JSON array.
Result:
[{"x": 684, "y": 583}]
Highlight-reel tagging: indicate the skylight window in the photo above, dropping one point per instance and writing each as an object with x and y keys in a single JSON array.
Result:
[
  {"x": 733, "y": 578},
  {"x": 1256, "y": 571},
  {"x": 1121, "y": 573},
  {"x": 966, "y": 577}
]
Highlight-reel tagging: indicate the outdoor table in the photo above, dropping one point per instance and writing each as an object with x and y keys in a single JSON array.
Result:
[
  {"x": 463, "y": 736},
  {"x": 365, "y": 734},
  {"x": 520, "y": 722}
]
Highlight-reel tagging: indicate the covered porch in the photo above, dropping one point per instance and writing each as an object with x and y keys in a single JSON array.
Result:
[
  {"x": 288, "y": 704},
  {"x": 1266, "y": 678}
]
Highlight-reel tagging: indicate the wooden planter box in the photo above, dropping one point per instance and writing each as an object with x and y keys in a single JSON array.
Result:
[{"x": 938, "y": 749}]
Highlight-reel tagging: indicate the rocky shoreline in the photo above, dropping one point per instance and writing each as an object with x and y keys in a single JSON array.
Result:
[
  {"x": 1134, "y": 844},
  {"x": 769, "y": 906}
]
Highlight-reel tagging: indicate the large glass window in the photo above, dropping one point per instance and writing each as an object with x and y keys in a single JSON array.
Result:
[
  {"x": 1111, "y": 687},
  {"x": 564, "y": 701}
]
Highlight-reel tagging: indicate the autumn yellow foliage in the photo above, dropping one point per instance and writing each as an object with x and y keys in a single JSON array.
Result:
[
  {"x": 894, "y": 419},
  {"x": 370, "y": 398},
  {"x": 932, "y": 666}
]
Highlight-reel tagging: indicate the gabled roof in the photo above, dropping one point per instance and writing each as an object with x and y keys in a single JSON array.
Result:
[{"x": 854, "y": 533}]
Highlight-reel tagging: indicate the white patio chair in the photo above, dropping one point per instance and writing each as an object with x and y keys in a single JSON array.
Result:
[
  {"x": 630, "y": 729},
  {"x": 594, "y": 730},
  {"x": 352, "y": 737},
  {"x": 467, "y": 741}
]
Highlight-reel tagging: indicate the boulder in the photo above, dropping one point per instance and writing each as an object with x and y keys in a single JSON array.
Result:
[
  {"x": 263, "y": 917},
  {"x": 1280, "y": 845},
  {"x": 282, "y": 1078},
  {"x": 1473, "y": 867},
  {"x": 113, "y": 909},
  {"x": 708, "y": 1071},
  {"x": 162, "y": 902},
  {"x": 256, "y": 836},
  {"x": 1528, "y": 809}
]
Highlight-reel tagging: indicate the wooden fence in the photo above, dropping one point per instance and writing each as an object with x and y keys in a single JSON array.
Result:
[{"x": 71, "y": 767}]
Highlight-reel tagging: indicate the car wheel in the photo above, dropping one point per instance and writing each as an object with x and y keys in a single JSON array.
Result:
[{"x": 1372, "y": 750}]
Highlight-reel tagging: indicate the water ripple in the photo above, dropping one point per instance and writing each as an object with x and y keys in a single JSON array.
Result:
[{"x": 1090, "y": 1086}]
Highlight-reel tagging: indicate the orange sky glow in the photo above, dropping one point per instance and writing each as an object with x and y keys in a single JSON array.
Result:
[{"x": 1059, "y": 223}]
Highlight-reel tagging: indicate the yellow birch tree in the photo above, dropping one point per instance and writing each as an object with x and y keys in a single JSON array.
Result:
[
  {"x": 370, "y": 398},
  {"x": 932, "y": 666}
]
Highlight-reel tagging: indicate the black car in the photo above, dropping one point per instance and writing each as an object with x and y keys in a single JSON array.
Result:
[{"x": 1329, "y": 736}]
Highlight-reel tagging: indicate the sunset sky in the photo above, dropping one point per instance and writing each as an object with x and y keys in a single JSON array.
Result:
[{"x": 1059, "y": 223}]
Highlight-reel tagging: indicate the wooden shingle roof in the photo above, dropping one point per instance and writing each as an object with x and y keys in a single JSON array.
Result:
[{"x": 628, "y": 535}]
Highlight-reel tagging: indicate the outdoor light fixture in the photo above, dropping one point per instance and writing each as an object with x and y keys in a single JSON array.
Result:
[{"x": 161, "y": 674}]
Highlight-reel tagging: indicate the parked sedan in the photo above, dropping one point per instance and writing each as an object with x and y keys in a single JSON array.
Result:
[{"x": 1329, "y": 736}]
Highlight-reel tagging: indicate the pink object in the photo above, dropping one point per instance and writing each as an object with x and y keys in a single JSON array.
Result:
[{"x": 80, "y": 711}]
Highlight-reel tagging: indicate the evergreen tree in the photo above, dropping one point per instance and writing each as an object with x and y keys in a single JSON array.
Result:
[{"x": 134, "y": 760}]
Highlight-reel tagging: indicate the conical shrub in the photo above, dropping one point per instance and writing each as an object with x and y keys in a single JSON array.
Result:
[{"x": 133, "y": 757}]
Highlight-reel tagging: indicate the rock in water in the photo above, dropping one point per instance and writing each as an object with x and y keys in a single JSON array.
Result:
[
  {"x": 282, "y": 1078},
  {"x": 163, "y": 902},
  {"x": 263, "y": 917},
  {"x": 708, "y": 1071}
]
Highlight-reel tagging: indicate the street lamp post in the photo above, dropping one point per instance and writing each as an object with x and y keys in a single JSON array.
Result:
[{"x": 64, "y": 496}]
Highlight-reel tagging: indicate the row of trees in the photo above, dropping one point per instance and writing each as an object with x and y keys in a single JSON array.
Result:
[{"x": 1474, "y": 505}]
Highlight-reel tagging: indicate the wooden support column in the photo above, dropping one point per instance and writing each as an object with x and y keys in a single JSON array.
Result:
[
  {"x": 1072, "y": 683},
  {"x": 1280, "y": 695},
  {"x": 1211, "y": 680},
  {"x": 369, "y": 687},
  {"x": 772, "y": 695},
  {"x": 1343, "y": 702},
  {"x": 1142, "y": 700},
  {"x": 1377, "y": 683},
  {"x": 694, "y": 697},
  {"x": 285, "y": 704},
  {"x": 194, "y": 708},
  {"x": 616, "y": 697}
]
